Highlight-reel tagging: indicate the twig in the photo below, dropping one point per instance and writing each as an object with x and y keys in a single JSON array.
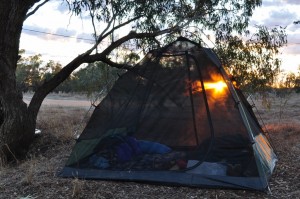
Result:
[
  {"x": 35, "y": 9},
  {"x": 12, "y": 153}
]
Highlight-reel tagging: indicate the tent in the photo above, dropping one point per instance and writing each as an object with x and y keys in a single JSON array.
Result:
[{"x": 175, "y": 118}]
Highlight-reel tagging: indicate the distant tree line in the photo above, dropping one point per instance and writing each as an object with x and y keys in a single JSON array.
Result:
[
  {"x": 290, "y": 80},
  {"x": 32, "y": 72}
]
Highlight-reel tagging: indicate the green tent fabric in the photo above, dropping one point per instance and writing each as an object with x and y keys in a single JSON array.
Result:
[{"x": 175, "y": 118}]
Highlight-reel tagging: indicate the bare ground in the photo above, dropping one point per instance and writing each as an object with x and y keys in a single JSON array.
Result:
[{"x": 35, "y": 177}]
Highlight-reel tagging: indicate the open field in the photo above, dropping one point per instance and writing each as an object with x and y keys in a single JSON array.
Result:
[
  {"x": 61, "y": 116},
  {"x": 62, "y": 100}
]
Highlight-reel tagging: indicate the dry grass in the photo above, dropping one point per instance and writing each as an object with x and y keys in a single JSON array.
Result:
[
  {"x": 61, "y": 122},
  {"x": 77, "y": 188},
  {"x": 29, "y": 175},
  {"x": 36, "y": 176}
]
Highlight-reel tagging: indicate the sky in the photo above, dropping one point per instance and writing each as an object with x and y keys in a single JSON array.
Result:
[{"x": 57, "y": 35}]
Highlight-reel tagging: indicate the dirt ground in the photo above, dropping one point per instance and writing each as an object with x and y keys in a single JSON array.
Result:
[
  {"x": 35, "y": 177},
  {"x": 63, "y": 100}
]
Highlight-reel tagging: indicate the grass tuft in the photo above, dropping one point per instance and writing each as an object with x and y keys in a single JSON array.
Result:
[
  {"x": 29, "y": 173},
  {"x": 77, "y": 188}
]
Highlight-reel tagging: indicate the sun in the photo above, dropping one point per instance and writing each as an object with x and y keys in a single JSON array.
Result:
[{"x": 218, "y": 87}]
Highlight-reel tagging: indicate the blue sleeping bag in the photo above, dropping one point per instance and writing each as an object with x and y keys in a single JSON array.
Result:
[{"x": 153, "y": 147}]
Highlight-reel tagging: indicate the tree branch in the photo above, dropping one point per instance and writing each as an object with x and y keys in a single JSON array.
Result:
[
  {"x": 117, "y": 43},
  {"x": 134, "y": 35},
  {"x": 106, "y": 28},
  {"x": 116, "y": 65},
  {"x": 92, "y": 14},
  {"x": 103, "y": 36},
  {"x": 35, "y": 9}
]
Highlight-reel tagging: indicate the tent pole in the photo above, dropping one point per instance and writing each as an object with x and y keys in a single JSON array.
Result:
[{"x": 191, "y": 97}]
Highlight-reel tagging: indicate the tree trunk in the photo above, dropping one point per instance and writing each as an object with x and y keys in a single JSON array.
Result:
[
  {"x": 17, "y": 120},
  {"x": 17, "y": 128},
  {"x": 17, "y": 123}
]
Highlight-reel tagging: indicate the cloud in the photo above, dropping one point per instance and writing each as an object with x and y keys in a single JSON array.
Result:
[
  {"x": 293, "y": 45},
  {"x": 268, "y": 3},
  {"x": 281, "y": 17},
  {"x": 60, "y": 34},
  {"x": 294, "y": 27},
  {"x": 62, "y": 7},
  {"x": 295, "y": 2},
  {"x": 65, "y": 32},
  {"x": 294, "y": 38},
  {"x": 36, "y": 31},
  {"x": 293, "y": 49},
  {"x": 85, "y": 37}
]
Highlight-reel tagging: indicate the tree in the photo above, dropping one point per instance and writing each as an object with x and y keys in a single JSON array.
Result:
[
  {"x": 31, "y": 72},
  {"x": 290, "y": 80},
  {"x": 253, "y": 61},
  {"x": 28, "y": 74},
  {"x": 297, "y": 80},
  {"x": 49, "y": 70},
  {"x": 93, "y": 78},
  {"x": 151, "y": 22}
]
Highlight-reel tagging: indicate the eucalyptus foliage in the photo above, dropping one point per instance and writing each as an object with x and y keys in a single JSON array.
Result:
[
  {"x": 253, "y": 60},
  {"x": 166, "y": 17},
  {"x": 250, "y": 58}
]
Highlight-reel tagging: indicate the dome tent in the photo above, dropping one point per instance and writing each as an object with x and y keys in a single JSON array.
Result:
[{"x": 175, "y": 118}]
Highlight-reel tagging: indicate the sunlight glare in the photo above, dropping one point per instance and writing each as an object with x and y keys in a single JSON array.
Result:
[{"x": 217, "y": 86}]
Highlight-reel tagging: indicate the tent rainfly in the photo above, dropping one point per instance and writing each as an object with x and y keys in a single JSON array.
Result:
[{"x": 175, "y": 118}]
